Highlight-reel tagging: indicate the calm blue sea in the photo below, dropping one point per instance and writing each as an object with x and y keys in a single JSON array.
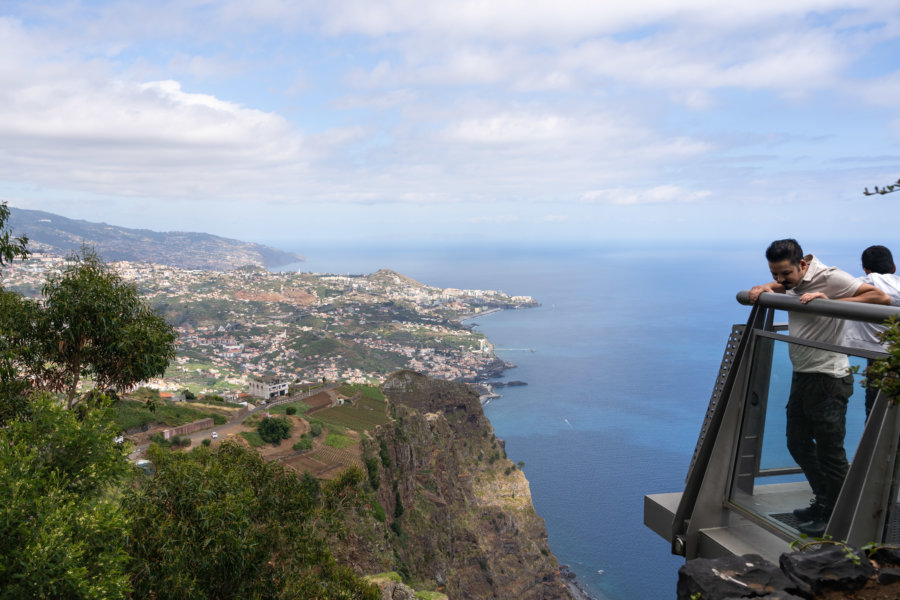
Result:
[{"x": 620, "y": 361}]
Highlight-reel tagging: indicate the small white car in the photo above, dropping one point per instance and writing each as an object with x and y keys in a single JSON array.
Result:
[{"x": 215, "y": 435}]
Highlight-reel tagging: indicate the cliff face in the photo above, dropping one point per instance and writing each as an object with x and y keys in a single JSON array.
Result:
[{"x": 458, "y": 513}]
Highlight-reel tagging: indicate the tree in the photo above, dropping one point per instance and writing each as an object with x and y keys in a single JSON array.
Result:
[
  {"x": 274, "y": 429},
  {"x": 10, "y": 247},
  {"x": 12, "y": 389},
  {"x": 227, "y": 524},
  {"x": 62, "y": 527},
  {"x": 91, "y": 324}
]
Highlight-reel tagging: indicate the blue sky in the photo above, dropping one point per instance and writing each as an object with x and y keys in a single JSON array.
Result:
[{"x": 298, "y": 122}]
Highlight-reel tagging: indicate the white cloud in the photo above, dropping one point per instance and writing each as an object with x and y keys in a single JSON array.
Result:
[
  {"x": 663, "y": 194},
  {"x": 494, "y": 219},
  {"x": 458, "y": 103}
]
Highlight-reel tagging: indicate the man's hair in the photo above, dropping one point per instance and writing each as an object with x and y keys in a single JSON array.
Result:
[
  {"x": 788, "y": 249},
  {"x": 878, "y": 259}
]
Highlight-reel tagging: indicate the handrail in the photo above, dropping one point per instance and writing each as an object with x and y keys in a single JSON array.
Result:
[{"x": 858, "y": 311}]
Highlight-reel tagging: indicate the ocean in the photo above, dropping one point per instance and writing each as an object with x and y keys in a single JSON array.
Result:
[{"x": 620, "y": 360}]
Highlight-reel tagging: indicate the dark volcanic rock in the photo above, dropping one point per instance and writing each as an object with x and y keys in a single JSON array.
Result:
[
  {"x": 835, "y": 568},
  {"x": 745, "y": 576},
  {"x": 513, "y": 383}
]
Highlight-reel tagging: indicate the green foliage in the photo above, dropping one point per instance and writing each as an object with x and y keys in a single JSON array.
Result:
[
  {"x": 366, "y": 391},
  {"x": 274, "y": 429},
  {"x": 90, "y": 324},
  {"x": 206, "y": 442},
  {"x": 884, "y": 374},
  {"x": 189, "y": 395},
  {"x": 298, "y": 407},
  {"x": 337, "y": 440},
  {"x": 63, "y": 532},
  {"x": 253, "y": 439},
  {"x": 11, "y": 248},
  {"x": 305, "y": 443},
  {"x": 130, "y": 414},
  {"x": 429, "y": 595},
  {"x": 378, "y": 511},
  {"x": 397, "y": 528},
  {"x": 806, "y": 542},
  {"x": 227, "y": 524},
  {"x": 353, "y": 417},
  {"x": 398, "y": 506},
  {"x": 290, "y": 410},
  {"x": 372, "y": 472},
  {"x": 385, "y": 456},
  {"x": 315, "y": 428}
]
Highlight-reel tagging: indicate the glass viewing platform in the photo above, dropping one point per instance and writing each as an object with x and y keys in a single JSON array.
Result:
[{"x": 742, "y": 484}]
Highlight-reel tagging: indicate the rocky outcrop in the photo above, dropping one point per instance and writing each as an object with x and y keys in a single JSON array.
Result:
[
  {"x": 831, "y": 572},
  {"x": 458, "y": 513}
]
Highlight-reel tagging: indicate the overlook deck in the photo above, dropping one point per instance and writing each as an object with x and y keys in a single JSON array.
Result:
[{"x": 742, "y": 484}]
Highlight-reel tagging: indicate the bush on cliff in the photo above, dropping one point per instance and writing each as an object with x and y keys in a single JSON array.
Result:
[{"x": 274, "y": 429}]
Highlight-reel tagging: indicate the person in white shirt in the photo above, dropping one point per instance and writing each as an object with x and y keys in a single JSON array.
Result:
[{"x": 878, "y": 264}]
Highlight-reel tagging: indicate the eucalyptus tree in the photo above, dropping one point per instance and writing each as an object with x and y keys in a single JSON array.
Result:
[
  {"x": 90, "y": 323},
  {"x": 11, "y": 247}
]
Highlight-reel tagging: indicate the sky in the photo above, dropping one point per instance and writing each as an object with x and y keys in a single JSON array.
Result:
[{"x": 300, "y": 122}]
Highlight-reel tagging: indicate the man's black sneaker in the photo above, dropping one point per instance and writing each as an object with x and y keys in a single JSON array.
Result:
[
  {"x": 815, "y": 511},
  {"x": 814, "y": 528}
]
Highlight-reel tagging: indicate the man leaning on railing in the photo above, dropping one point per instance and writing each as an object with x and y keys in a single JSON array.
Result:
[{"x": 821, "y": 383}]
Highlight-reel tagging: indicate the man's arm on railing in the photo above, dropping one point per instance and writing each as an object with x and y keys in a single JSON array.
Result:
[{"x": 772, "y": 286}]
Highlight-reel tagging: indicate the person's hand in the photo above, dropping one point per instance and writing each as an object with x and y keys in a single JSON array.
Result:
[
  {"x": 756, "y": 290},
  {"x": 812, "y": 296}
]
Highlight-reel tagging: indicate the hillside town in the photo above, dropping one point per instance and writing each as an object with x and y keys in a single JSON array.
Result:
[{"x": 244, "y": 325}]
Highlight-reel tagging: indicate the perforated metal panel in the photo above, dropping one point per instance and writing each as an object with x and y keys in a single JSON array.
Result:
[{"x": 737, "y": 331}]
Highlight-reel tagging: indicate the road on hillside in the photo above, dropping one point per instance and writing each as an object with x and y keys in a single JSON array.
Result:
[{"x": 235, "y": 426}]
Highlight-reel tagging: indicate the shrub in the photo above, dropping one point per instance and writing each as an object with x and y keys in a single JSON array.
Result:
[
  {"x": 206, "y": 442},
  {"x": 274, "y": 429},
  {"x": 372, "y": 472},
  {"x": 385, "y": 457},
  {"x": 315, "y": 428},
  {"x": 305, "y": 443},
  {"x": 398, "y": 506},
  {"x": 290, "y": 410},
  {"x": 397, "y": 528}
]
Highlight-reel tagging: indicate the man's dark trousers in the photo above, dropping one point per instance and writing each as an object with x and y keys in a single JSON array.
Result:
[{"x": 816, "y": 426}]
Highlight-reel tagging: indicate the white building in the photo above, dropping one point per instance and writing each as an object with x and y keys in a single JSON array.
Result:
[{"x": 269, "y": 386}]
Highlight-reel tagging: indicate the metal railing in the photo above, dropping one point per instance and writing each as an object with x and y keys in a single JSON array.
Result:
[{"x": 727, "y": 458}]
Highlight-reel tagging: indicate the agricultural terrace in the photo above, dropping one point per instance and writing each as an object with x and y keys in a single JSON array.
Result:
[
  {"x": 133, "y": 414},
  {"x": 365, "y": 407}
]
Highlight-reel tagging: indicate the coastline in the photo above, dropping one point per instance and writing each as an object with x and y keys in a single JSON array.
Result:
[{"x": 482, "y": 383}]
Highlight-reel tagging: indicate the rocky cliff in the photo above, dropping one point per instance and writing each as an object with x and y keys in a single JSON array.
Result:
[{"x": 458, "y": 515}]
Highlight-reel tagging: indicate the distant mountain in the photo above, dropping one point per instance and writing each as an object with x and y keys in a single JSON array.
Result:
[{"x": 58, "y": 235}]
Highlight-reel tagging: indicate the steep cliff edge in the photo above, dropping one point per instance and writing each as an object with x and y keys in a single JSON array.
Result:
[{"x": 457, "y": 513}]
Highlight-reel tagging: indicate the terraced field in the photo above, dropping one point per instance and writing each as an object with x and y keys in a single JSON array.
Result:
[{"x": 353, "y": 417}]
